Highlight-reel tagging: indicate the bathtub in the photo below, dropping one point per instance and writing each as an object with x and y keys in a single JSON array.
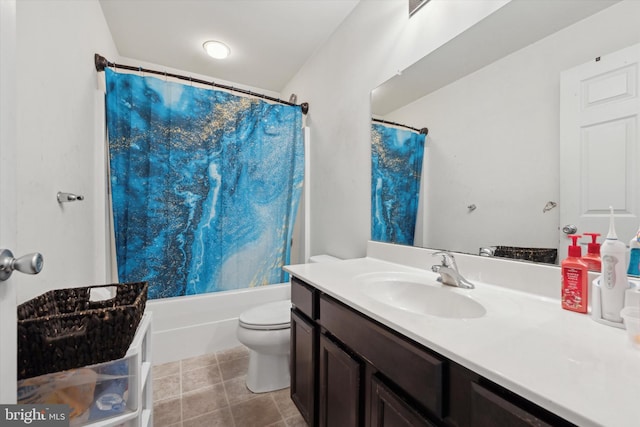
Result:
[{"x": 190, "y": 326}]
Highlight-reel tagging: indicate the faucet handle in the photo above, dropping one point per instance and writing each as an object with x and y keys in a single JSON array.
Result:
[
  {"x": 448, "y": 260},
  {"x": 446, "y": 257}
]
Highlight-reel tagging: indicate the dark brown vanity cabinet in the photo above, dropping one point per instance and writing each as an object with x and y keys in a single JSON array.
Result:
[{"x": 348, "y": 370}]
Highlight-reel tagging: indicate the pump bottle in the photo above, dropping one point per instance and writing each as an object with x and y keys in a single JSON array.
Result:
[
  {"x": 592, "y": 257},
  {"x": 614, "y": 281},
  {"x": 575, "y": 274}
]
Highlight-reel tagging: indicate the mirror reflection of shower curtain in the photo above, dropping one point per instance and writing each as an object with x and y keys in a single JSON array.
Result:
[
  {"x": 396, "y": 168},
  {"x": 205, "y": 185}
]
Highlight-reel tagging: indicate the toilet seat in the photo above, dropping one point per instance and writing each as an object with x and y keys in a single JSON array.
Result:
[{"x": 271, "y": 316}]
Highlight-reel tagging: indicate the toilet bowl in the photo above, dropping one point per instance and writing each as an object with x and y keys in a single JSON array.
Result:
[{"x": 265, "y": 330}]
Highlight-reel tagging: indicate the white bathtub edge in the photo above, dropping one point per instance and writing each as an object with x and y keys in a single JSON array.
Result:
[
  {"x": 188, "y": 342},
  {"x": 214, "y": 332}
]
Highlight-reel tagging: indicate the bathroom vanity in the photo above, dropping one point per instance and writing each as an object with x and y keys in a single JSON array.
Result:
[{"x": 368, "y": 349}]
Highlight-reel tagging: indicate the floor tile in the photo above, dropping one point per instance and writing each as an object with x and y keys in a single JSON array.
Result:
[
  {"x": 166, "y": 387},
  {"x": 237, "y": 390},
  {"x": 232, "y": 354},
  {"x": 198, "y": 378},
  {"x": 296, "y": 421},
  {"x": 199, "y": 362},
  {"x": 257, "y": 412},
  {"x": 234, "y": 368},
  {"x": 284, "y": 403},
  {"x": 166, "y": 412},
  {"x": 220, "y": 418},
  {"x": 203, "y": 401},
  {"x": 166, "y": 369}
]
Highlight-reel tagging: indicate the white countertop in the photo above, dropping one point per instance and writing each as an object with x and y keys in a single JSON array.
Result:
[{"x": 581, "y": 370}]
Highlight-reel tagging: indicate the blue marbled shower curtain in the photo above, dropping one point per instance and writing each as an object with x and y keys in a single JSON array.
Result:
[
  {"x": 205, "y": 185},
  {"x": 396, "y": 167}
]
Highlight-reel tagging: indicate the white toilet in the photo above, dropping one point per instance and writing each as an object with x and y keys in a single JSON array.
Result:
[{"x": 266, "y": 330}]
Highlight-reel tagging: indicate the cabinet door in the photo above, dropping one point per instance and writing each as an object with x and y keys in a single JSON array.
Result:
[
  {"x": 490, "y": 410},
  {"x": 303, "y": 362},
  {"x": 459, "y": 393},
  {"x": 339, "y": 386},
  {"x": 389, "y": 410}
]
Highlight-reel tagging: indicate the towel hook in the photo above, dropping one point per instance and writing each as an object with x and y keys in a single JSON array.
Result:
[
  {"x": 550, "y": 205},
  {"x": 69, "y": 197}
]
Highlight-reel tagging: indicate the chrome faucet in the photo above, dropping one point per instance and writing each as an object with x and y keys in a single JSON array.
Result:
[{"x": 449, "y": 273}]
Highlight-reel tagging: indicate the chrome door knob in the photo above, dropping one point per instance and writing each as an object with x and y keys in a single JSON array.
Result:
[
  {"x": 569, "y": 229},
  {"x": 29, "y": 264}
]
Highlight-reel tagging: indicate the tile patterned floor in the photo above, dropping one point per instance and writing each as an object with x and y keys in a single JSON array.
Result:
[{"x": 210, "y": 391}]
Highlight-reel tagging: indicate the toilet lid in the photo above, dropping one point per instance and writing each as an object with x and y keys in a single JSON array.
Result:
[{"x": 273, "y": 315}]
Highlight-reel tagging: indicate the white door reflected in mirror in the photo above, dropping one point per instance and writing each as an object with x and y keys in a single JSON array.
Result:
[{"x": 599, "y": 146}]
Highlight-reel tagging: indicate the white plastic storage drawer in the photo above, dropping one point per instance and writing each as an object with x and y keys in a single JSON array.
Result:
[{"x": 104, "y": 394}]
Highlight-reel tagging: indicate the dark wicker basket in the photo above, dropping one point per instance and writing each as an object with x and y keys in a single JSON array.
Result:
[
  {"x": 62, "y": 329},
  {"x": 546, "y": 255}
]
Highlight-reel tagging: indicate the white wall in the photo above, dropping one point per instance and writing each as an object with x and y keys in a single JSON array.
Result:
[
  {"x": 60, "y": 134},
  {"x": 494, "y": 138},
  {"x": 372, "y": 44}
]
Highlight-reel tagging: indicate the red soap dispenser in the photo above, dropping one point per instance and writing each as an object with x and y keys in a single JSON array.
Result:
[
  {"x": 592, "y": 258},
  {"x": 575, "y": 278}
]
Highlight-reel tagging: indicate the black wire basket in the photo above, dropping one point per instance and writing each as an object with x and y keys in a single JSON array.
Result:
[
  {"x": 62, "y": 329},
  {"x": 546, "y": 255}
]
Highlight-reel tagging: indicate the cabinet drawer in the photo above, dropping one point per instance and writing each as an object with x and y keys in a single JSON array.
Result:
[
  {"x": 489, "y": 409},
  {"x": 304, "y": 298},
  {"x": 417, "y": 372}
]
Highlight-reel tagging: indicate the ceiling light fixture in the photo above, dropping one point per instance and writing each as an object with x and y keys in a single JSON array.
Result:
[{"x": 216, "y": 49}]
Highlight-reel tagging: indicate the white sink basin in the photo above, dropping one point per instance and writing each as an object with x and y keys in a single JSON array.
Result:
[{"x": 420, "y": 295}]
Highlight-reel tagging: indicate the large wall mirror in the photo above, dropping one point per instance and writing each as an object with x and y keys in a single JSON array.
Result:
[{"x": 490, "y": 98}]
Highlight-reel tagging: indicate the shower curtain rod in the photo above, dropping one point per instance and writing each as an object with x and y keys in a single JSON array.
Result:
[
  {"x": 424, "y": 131},
  {"x": 102, "y": 63}
]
